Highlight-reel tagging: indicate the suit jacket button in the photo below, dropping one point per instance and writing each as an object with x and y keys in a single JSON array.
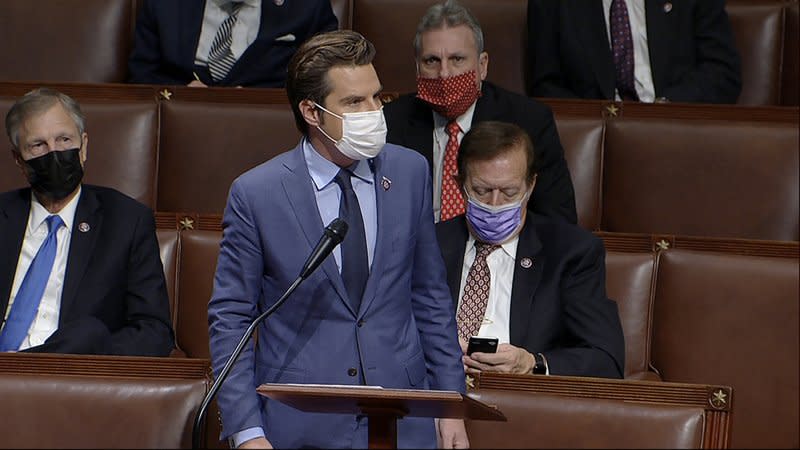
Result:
[
  {"x": 360, "y": 323},
  {"x": 352, "y": 371}
]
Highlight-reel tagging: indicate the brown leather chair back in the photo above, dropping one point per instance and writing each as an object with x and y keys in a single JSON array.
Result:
[
  {"x": 391, "y": 24},
  {"x": 168, "y": 248},
  {"x": 122, "y": 148},
  {"x": 205, "y": 146},
  {"x": 83, "y": 401},
  {"x": 629, "y": 282},
  {"x": 733, "y": 319},
  {"x": 582, "y": 139},
  {"x": 758, "y": 30},
  {"x": 198, "y": 263},
  {"x": 549, "y": 421},
  {"x": 701, "y": 178},
  {"x": 65, "y": 40},
  {"x": 344, "y": 12},
  {"x": 790, "y": 95},
  {"x": 573, "y": 412}
]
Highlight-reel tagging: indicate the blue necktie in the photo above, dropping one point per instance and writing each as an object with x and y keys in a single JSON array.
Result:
[
  {"x": 355, "y": 265},
  {"x": 26, "y": 303}
]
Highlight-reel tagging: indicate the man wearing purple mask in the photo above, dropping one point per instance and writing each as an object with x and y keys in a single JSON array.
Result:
[
  {"x": 452, "y": 95},
  {"x": 536, "y": 284}
]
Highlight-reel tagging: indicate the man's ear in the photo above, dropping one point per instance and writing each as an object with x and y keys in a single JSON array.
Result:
[
  {"x": 310, "y": 113},
  {"x": 84, "y": 148},
  {"x": 483, "y": 65}
]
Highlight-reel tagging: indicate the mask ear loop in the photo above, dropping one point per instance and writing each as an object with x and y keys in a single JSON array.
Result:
[{"x": 323, "y": 131}]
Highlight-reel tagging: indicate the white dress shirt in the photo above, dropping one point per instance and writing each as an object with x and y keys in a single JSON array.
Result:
[
  {"x": 244, "y": 31},
  {"x": 642, "y": 72},
  {"x": 46, "y": 320},
  {"x": 497, "y": 320},
  {"x": 440, "y": 138}
]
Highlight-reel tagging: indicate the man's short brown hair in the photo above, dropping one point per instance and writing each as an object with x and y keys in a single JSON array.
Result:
[
  {"x": 490, "y": 139},
  {"x": 308, "y": 68},
  {"x": 36, "y": 102}
]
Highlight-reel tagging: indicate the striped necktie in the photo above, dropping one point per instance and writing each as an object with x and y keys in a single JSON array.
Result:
[{"x": 220, "y": 58}]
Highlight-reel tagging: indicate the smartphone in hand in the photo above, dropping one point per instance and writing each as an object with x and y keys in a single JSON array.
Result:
[{"x": 482, "y": 345}]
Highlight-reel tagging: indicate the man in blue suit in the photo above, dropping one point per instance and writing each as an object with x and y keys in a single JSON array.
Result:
[
  {"x": 379, "y": 311},
  {"x": 222, "y": 42}
]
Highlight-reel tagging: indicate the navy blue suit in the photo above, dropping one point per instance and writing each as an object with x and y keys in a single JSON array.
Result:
[
  {"x": 114, "y": 299},
  {"x": 559, "y": 305},
  {"x": 167, "y": 33},
  {"x": 692, "y": 53}
]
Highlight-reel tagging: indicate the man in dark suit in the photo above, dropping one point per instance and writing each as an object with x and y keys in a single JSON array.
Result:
[
  {"x": 653, "y": 50},
  {"x": 79, "y": 265},
  {"x": 536, "y": 284},
  {"x": 451, "y": 90},
  {"x": 223, "y": 42}
]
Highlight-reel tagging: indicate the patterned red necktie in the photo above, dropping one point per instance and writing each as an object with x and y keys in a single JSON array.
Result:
[
  {"x": 452, "y": 201},
  {"x": 622, "y": 49},
  {"x": 476, "y": 293}
]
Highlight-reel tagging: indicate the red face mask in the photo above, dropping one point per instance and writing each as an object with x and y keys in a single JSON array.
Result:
[{"x": 450, "y": 97}]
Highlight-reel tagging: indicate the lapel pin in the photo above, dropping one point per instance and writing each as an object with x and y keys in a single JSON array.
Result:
[
  {"x": 526, "y": 263},
  {"x": 83, "y": 227},
  {"x": 386, "y": 183},
  {"x": 278, "y": 2},
  {"x": 667, "y": 7}
]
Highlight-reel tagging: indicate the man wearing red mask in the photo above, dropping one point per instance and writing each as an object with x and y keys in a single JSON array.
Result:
[{"x": 452, "y": 95}]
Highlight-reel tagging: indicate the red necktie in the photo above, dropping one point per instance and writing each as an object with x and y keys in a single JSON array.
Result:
[
  {"x": 476, "y": 293},
  {"x": 622, "y": 49},
  {"x": 452, "y": 201}
]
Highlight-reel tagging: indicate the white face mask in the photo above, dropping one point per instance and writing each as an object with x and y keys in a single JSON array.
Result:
[{"x": 363, "y": 134}]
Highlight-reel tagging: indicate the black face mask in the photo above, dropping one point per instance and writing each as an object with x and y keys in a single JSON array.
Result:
[{"x": 55, "y": 174}]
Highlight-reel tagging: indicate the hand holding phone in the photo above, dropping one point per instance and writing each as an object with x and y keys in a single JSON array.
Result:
[{"x": 482, "y": 345}]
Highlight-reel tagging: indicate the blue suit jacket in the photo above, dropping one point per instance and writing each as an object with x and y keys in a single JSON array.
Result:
[
  {"x": 167, "y": 33},
  {"x": 403, "y": 335}
]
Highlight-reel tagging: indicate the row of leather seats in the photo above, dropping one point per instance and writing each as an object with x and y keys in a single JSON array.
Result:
[
  {"x": 699, "y": 170},
  {"x": 689, "y": 314},
  {"x": 70, "y": 401},
  {"x": 766, "y": 34}
]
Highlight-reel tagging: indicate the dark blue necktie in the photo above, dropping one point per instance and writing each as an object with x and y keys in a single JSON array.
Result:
[
  {"x": 26, "y": 303},
  {"x": 355, "y": 265}
]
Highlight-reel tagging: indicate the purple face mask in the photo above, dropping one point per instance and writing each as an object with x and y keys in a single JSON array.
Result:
[{"x": 494, "y": 224}]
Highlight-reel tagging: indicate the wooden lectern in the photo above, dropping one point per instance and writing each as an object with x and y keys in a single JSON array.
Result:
[{"x": 382, "y": 406}]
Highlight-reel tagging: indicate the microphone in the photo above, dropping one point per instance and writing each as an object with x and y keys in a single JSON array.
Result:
[{"x": 333, "y": 235}]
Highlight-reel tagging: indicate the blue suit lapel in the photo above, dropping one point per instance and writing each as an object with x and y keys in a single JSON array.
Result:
[
  {"x": 383, "y": 239},
  {"x": 298, "y": 187}
]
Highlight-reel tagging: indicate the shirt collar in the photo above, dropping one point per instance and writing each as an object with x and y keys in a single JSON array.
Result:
[
  {"x": 464, "y": 120},
  {"x": 323, "y": 172},
  {"x": 39, "y": 213},
  {"x": 509, "y": 247}
]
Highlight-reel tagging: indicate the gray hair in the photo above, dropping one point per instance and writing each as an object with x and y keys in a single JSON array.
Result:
[
  {"x": 450, "y": 14},
  {"x": 37, "y": 102}
]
